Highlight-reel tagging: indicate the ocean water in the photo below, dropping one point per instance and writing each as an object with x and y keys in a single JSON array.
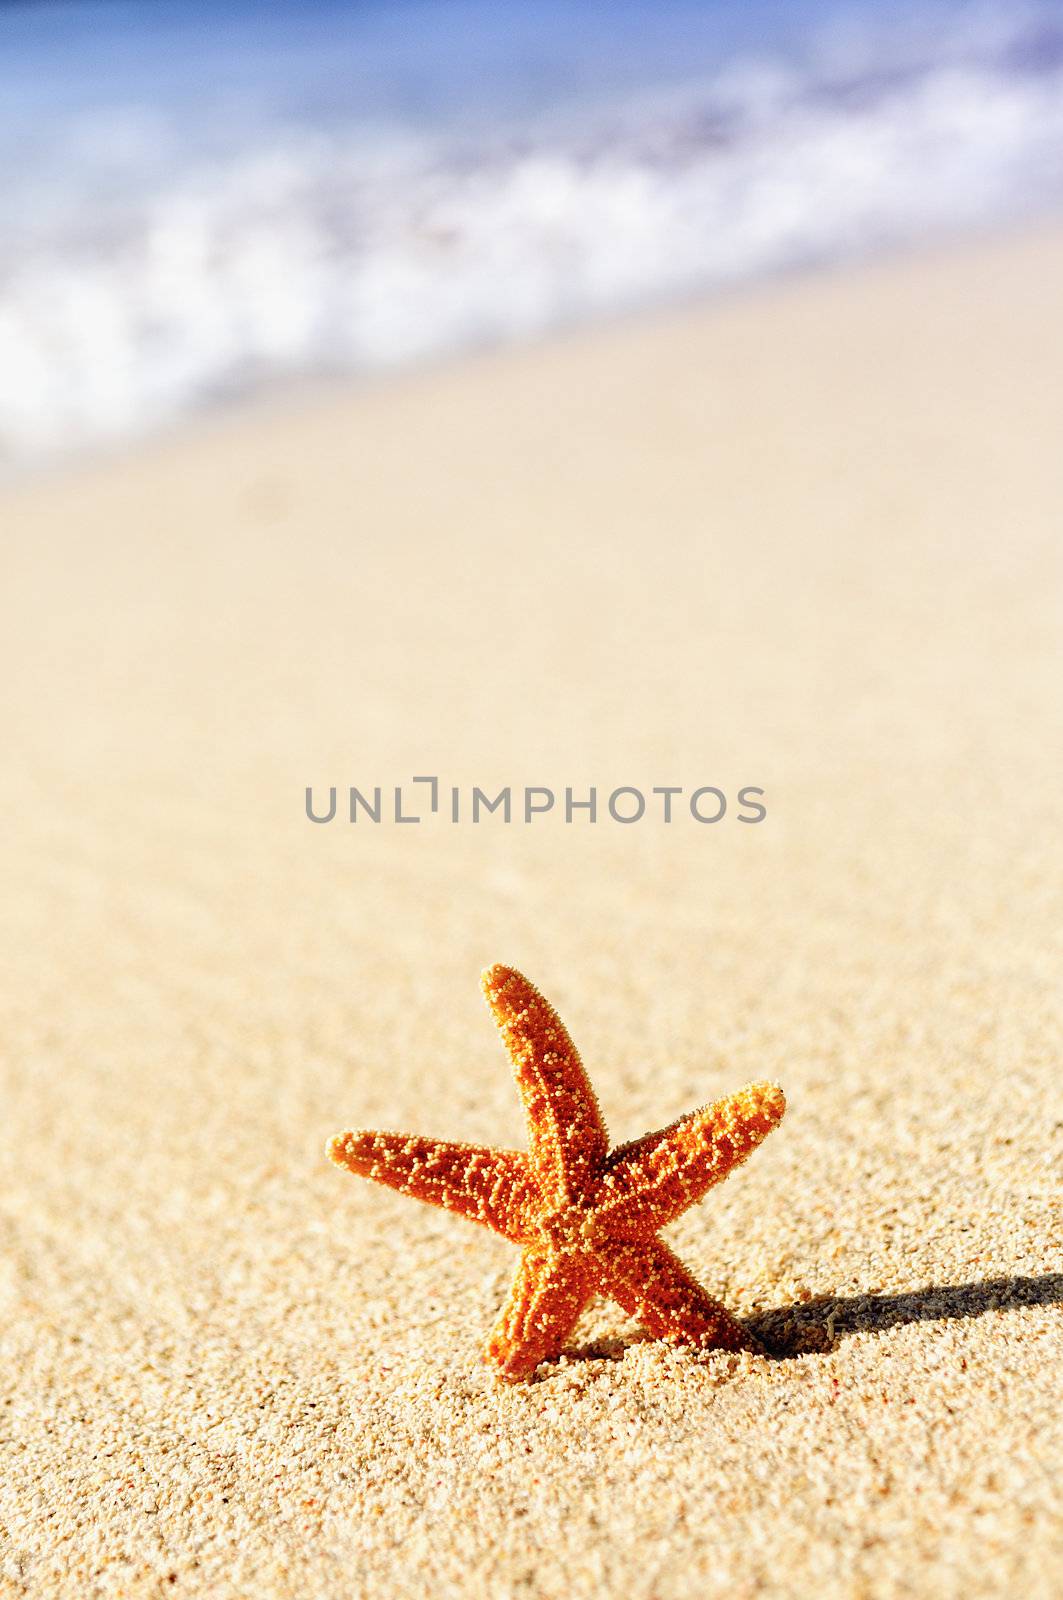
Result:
[{"x": 202, "y": 200}]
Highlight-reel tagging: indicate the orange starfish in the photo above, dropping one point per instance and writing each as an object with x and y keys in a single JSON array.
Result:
[{"x": 586, "y": 1218}]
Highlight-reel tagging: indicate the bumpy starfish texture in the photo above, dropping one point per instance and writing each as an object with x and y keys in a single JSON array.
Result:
[{"x": 586, "y": 1218}]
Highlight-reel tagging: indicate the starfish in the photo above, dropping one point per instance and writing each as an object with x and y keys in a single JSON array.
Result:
[{"x": 586, "y": 1217}]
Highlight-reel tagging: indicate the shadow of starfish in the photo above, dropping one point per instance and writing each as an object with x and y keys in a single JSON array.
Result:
[
  {"x": 819, "y": 1324},
  {"x": 816, "y": 1326}
]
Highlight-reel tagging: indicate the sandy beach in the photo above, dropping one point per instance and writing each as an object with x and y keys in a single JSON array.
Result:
[{"x": 806, "y": 540}]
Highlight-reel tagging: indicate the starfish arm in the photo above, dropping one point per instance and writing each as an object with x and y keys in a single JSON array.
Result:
[
  {"x": 492, "y": 1187},
  {"x": 565, "y": 1129},
  {"x": 652, "y": 1285},
  {"x": 544, "y": 1304},
  {"x": 651, "y": 1181}
]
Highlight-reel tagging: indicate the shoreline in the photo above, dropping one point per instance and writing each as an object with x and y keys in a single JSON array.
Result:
[{"x": 290, "y": 398}]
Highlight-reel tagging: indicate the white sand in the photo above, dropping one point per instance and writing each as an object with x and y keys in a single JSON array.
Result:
[{"x": 810, "y": 541}]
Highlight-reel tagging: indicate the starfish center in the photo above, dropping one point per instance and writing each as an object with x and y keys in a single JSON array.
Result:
[{"x": 571, "y": 1228}]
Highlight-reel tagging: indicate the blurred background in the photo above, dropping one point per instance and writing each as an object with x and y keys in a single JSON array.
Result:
[
  {"x": 554, "y": 394},
  {"x": 201, "y": 201}
]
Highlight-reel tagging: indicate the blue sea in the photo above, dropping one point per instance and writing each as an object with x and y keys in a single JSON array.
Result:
[{"x": 199, "y": 201}]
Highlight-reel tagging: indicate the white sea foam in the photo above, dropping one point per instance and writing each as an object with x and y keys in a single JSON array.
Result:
[{"x": 144, "y": 272}]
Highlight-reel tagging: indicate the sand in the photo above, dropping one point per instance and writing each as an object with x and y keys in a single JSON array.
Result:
[{"x": 808, "y": 541}]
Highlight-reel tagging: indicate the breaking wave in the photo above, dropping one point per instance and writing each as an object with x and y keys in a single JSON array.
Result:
[{"x": 152, "y": 261}]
